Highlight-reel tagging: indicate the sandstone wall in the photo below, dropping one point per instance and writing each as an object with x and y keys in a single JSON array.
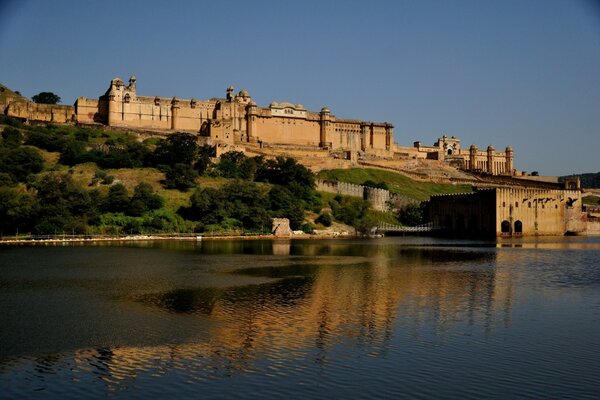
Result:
[{"x": 59, "y": 114}]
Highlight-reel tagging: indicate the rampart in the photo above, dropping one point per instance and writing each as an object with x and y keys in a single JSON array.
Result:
[
  {"x": 41, "y": 112},
  {"x": 380, "y": 199}
]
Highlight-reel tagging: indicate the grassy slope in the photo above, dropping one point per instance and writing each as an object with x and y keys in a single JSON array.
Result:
[
  {"x": 591, "y": 200},
  {"x": 397, "y": 183}
]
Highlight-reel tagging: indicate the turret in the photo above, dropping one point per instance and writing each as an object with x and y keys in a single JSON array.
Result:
[
  {"x": 389, "y": 133},
  {"x": 509, "y": 160},
  {"x": 132, "y": 81},
  {"x": 473, "y": 157},
  {"x": 490, "y": 159},
  {"x": 114, "y": 97},
  {"x": 230, "y": 90},
  {"x": 325, "y": 118},
  {"x": 251, "y": 121},
  {"x": 175, "y": 113}
]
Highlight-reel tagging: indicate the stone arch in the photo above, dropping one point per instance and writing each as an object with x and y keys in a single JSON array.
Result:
[
  {"x": 450, "y": 152},
  {"x": 505, "y": 228},
  {"x": 518, "y": 227}
]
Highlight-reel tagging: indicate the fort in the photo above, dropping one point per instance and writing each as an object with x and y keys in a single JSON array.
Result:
[
  {"x": 511, "y": 211},
  {"x": 236, "y": 121}
]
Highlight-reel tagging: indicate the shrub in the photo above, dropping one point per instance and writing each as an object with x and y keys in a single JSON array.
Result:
[{"x": 324, "y": 219}]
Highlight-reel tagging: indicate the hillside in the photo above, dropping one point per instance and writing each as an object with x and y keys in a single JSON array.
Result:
[
  {"x": 7, "y": 95},
  {"x": 397, "y": 183},
  {"x": 62, "y": 178}
]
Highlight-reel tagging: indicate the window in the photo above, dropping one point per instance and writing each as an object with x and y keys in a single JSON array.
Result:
[{"x": 516, "y": 204}]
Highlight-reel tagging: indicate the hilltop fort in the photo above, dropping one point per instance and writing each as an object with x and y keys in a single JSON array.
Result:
[{"x": 236, "y": 120}]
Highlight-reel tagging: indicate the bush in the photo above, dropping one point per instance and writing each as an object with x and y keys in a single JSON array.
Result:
[
  {"x": 411, "y": 215},
  {"x": 324, "y": 219},
  {"x": 11, "y": 137},
  {"x": 308, "y": 228},
  {"x": 181, "y": 177}
]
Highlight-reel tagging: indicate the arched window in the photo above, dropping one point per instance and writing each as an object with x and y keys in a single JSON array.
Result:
[
  {"x": 518, "y": 228},
  {"x": 505, "y": 228}
]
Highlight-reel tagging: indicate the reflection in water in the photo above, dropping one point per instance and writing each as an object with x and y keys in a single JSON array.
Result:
[{"x": 314, "y": 307}]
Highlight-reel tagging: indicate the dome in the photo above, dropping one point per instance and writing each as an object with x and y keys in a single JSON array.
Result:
[
  {"x": 132, "y": 78},
  {"x": 490, "y": 148},
  {"x": 509, "y": 148},
  {"x": 325, "y": 109},
  {"x": 244, "y": 93},
  {"x": 473, "y": 147}
]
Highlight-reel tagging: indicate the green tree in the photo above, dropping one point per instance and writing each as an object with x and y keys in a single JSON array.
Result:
[
  {"x": 46, "y": 98},
  {"x": 18, "y": 210},
  {"x": 324, "y": 219},
  {"x": 411, "y": 215},
  {"x": 178, "y": 148},
  {"x": 144, "y": 199},
  {"x": 180, "y": 177},
  {"x": 203, "y": 162},
  {"x": 11, "y": 137},
  {"x": 235, "y": 165},
  {"x": 20, "y": 162},
  {"x": 117, "y": 199}
]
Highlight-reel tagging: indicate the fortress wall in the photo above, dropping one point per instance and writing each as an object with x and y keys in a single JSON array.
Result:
[
  {"x": 593, "y": 226},
  {"x": 345, "y": 134},
  {"x": 88, "y": 111},
  {"x": 142, "y": 115},
  {"x": 380, "y": 199},
  {"x": 542, "y": 212},
  {"x": 288, "y": 131},
  {"x": 191, "y": 119},
  {"x": 378, "y": 138},
  {"x": 41, "y": 112}
]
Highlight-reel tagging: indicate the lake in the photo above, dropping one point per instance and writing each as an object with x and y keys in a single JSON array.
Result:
[{"x": 404, "y": 317}]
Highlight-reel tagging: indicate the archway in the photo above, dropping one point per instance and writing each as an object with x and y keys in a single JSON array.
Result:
[
  {"x": 449, "y": 152},
  {"x": 505, "y": 228},
  {"x": 518, "y": 228}
]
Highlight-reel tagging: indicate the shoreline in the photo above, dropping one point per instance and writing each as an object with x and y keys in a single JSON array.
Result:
[{"x": 153, "y": 238}]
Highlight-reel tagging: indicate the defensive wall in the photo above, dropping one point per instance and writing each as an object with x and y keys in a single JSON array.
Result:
[
  {"x": 509, "y": 211},
  {"x": 41, "y": 112},
  {"x": 380, "y": 199}
]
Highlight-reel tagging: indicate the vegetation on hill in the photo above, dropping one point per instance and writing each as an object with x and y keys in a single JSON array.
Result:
[
  {"x": 66, "y": 179},
  {"x": 395, "y": 182},
  {"x": 589, "y": 180},
  {"x": 46, "y": 98}
]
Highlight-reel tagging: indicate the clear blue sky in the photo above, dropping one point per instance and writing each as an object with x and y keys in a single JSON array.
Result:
[{"x": 524, "y": 73}]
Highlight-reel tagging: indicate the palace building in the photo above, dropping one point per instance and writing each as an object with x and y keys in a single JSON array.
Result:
[{"x": 236, "y": 120}]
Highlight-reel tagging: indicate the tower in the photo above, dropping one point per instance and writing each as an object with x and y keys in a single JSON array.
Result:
[
  {"x": 473, "y": 157},
  {"x": 251, "y": 121},
  {"x": 175, "y": 113},
  {"x": 509, "y": 160},
  {"x": 115, "y": 98},
  {"x": 490, "y": 160},
  {"x": 325, "y": 118}
]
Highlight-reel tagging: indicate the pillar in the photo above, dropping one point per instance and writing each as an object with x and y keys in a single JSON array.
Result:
[
  {"x": 490, "y": 160},
  {"x": 175, "y": 113},
  {"x": 473, "y": 157},
  {"x": 325, "y": 119},
  {"x": 509, "y": 160}
]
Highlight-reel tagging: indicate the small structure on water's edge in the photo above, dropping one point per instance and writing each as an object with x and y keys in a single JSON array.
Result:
[{"x": 509, "y": 212}]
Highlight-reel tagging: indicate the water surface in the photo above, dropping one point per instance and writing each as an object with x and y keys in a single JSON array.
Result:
[{"x": 394, "y": 317}]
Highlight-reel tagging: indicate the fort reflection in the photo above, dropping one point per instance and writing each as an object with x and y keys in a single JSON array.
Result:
[
  {"x": 309, "y": 309},
  {"x": 330, "y": 294}
]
